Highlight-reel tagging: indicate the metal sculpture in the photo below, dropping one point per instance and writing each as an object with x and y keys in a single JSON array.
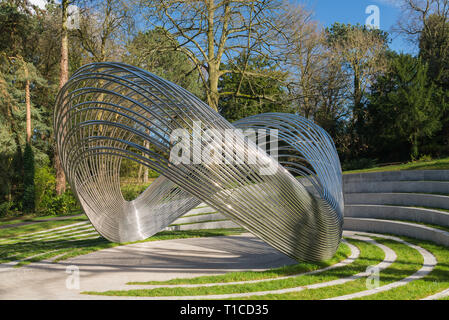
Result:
[{"x": 108, "y": 112}]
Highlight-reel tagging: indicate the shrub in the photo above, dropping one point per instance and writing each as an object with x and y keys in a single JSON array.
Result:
[
  {"x": 425, "y": 158},
  {"x": 356, "y": 164},
  {"x": 6, "y": 209},
  {"x": 63, "y": 204},
  {"x": 130, "y": 192},
  {"x": 44, "y": 186},
  {"x": 47, "y": 202}
]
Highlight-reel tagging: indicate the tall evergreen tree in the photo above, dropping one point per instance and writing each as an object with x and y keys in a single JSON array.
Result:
[{"x": 402, "y": 105}]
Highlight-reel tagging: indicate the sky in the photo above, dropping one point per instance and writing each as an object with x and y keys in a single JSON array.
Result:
[
  {"x": 349, "y": 11},
  {"x": 353, "y": 11}
]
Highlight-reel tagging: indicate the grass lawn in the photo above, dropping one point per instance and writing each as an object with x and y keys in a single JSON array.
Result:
[
  {"x": 408, "y": 261},
  {"x": 31, "y": 218},
  {"x": 370, "y": 255},
  {"x": 39, "y": 226},
  {"x": 439, "y": 164},
  {"x": 434, "y": 282}
]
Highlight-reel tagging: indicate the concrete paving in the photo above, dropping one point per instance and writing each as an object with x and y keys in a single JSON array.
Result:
[{"x": 159, "y": 260}]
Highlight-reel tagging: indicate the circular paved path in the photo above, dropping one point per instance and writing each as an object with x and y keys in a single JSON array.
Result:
[{"x": 159, "y": 260}]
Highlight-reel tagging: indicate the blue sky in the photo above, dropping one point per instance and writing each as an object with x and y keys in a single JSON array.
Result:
[
  {"x": 349, "y": 11},
  {"x": 353, "y": 11}
]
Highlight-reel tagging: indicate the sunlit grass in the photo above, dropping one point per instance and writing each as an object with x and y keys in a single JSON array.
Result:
[{"x": 439, "y": 164}]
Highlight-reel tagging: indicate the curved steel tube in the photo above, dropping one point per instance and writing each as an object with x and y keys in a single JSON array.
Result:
[{"x": 110, "y": 111}]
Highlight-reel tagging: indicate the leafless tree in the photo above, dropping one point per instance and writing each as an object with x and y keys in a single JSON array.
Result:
[
  {"x": 416, "y": 14},
  {"x": 104, "y": 27},
  {"x": 210, "y": 32}
]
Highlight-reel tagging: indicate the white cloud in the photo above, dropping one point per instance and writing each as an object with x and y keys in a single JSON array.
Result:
[{"x": 393, "y": 3}]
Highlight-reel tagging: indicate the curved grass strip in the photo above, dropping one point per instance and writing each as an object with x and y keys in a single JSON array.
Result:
[
  {"x": 346, "y": 254},
  {"x": 428, "y": 264},
  {"x": 369, "y": 252},
  {"x": 408, "y": 261},
  {"x": 435, "y": 282}
]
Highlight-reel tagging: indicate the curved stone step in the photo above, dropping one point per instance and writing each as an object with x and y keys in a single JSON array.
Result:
[
  {"x": 397, "y": 213},
  {"x": 400, "y": 228},
  {"x": 400, "y": 199},
  {"x": 205, "y": 209},
  {"x": 226, "y": 224},
  {"x": 200, "y": 218},
  {"x": 404, "y": 175},
  {"x": 397, "y": 186}
]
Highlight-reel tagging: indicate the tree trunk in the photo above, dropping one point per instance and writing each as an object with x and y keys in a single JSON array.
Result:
[
  {"x": 28, "y": 105},
  {"x": 415, "y": 152},
  {"x": 64, "y": 76},
  {"x": 212, "y": 96},
  {"x": 213, "y": 62}
]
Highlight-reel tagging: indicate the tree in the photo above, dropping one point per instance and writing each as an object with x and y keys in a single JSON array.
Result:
[
  {"x": 210, "y": 32},
  {"x": 250, "y": 89},
  {"x": 19, "y": 82},
  {"x": 361, "y": 53},
  {"x": 171, "y": 65},
  {"x": 63, "y": 78},
  {"x": 416, "y": 16},
  {"x": 104, "y": 27},
  {"x": 305, "y": 59},
  {"x": 402, "y": 104},
  {"x": 434, "y": 49}
]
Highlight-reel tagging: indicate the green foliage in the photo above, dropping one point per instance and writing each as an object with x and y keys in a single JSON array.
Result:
[
  {"x": 6, "y": 209},
  {"x": 434, "y": 48},
  {"x": 132, "y": 191},
  {"x": 45, "y": 183},
  {"x": 47, "y": 202},
  {"x": 63, "y": 204},
  {"x": 340, "y": 32},
  {"x": 356, "y": 164},
  {"x": 149, "y": 51},
  {"x": 402, "y": 105},
  {"x": 241, "y": 98}
]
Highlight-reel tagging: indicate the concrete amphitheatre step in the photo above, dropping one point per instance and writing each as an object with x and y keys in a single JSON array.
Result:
[
  {"x": 371, "y": 198},
  {"x": 399, "y": 199},
  {"x": 397, "y": 228},
  {"x": 200, "y": 218},
  {"x": 397, "y": 186},
  {"x": 225, "y": 224},
  {"x": 412, "y": 175},
  {"x": 397, "y": 213}
]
